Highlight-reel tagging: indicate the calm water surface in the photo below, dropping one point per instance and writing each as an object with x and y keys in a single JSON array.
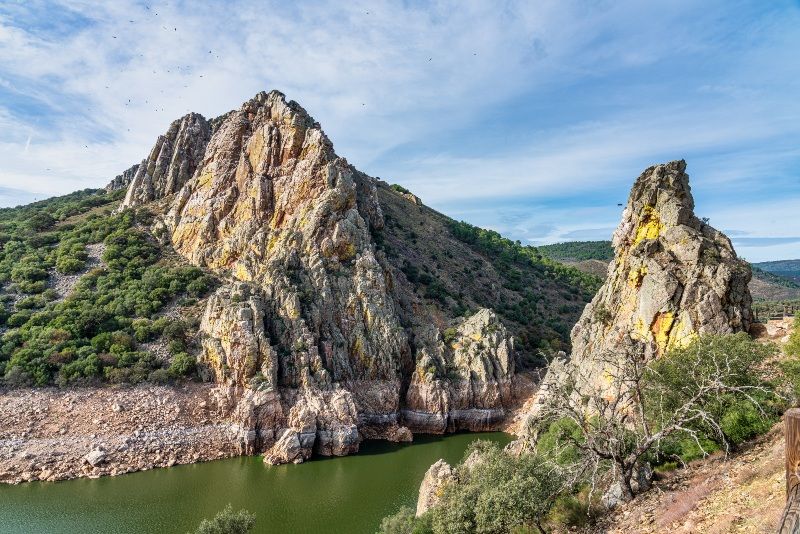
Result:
[{"x": 331, "y": 495}]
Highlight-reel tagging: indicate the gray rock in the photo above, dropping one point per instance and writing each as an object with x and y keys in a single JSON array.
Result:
[
  {"x": 438, "y": 475},
  {"x": 95, "y": 457}
]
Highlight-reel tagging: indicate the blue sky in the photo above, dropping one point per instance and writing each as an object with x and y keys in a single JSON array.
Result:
[{"x": 531, "y": 118}]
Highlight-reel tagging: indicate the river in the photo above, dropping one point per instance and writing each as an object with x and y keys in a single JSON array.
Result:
[{"x": 327, "y": 495}]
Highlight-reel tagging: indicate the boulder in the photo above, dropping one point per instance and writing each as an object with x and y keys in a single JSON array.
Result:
[{"x": 430, "y": 490}]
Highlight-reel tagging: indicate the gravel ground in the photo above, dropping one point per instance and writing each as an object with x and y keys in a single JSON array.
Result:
[{"x": 55, "y": 434}]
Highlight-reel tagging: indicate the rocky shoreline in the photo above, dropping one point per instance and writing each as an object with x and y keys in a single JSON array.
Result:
[{"x": 52, "y": 434}]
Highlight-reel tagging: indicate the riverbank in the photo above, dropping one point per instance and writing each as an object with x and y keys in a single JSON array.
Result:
[{"x": 52, "y": 434}]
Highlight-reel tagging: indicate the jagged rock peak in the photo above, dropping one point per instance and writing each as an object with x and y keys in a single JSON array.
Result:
[
  {"x": 122, "y": 181},
  {"x": 673, "y": 276},
  {"x": 172, "y": 161}
]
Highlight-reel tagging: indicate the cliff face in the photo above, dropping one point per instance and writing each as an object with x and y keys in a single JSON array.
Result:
[
  {"x": 673, "y": 276},
  {"x": 122, "y": 181},
  {"x": 316, "y": 339},
  {"x": 171, "y": 162}
]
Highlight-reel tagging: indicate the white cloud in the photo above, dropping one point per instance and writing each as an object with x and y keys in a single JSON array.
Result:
[{"x": 411, "y": 91}]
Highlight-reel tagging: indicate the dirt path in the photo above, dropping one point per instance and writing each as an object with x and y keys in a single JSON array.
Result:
[
  {"x": 744, "y": 493},
  {"x": 64, "y": 284}
]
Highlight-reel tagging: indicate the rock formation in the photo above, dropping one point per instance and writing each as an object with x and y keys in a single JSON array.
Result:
[
  {"x": 171, "y": 162},
  {"x": 122, "y": 181},
  {"x": 437, "y": 475},
  {"x": 309, "y": 337},
  {"x": 674, "y": 276},
  {"x": 463, "y": 382}
]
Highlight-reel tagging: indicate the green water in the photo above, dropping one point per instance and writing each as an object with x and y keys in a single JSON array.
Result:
[{"x": 331, "y": 495}]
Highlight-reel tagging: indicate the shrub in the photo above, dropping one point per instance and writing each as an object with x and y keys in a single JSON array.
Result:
[
  {"x": 69, "y": 265},
  {"x": 182, "y": 365},
  {"x": 159, "y": 376},
  {"x": 399, "y": 189},
  {"x": 793, "y": 346},
  {"x": 403, "y": 522},
  {"x": 228, "y": 522},
  {"x": 497, "y": 492}
]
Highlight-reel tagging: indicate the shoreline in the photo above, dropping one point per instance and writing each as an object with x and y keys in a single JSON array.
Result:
[{"x": 53, "y": 434}]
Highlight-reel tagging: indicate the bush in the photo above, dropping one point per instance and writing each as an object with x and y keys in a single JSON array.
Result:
[
  {"x": 182, "y": 365},
  {"x": 498, "y": 492},
  {"x": 228, "y": 522},
  {"x": 793, "y": 346},
  {"x": 403, "y": 522},
  {"x": 69, "y": 265}
]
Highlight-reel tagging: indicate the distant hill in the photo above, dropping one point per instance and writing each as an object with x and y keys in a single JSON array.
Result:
[
  {"x": 784, "y": 268},
  {"x": 772, "y": 280},
  {"x": 575, "y": 251}
]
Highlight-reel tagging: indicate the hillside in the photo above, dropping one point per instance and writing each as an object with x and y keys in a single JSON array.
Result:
[
  {"x": 772, "y": 281},
  {"x": 784, "y": 268},
  {"x": 575, "y": 251}
]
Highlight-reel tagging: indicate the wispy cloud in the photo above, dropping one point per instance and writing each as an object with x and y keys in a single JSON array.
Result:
[{"x": 530, "y": 118}]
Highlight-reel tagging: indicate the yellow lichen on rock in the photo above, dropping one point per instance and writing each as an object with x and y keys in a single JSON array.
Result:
[
  {"x": 241, "y": 273},
  {"x": 636, "y": 276},
  {"x": 682, "y": 335},
  {"x": 650, "y": 227},
  {"x": 661, "y": 328}
]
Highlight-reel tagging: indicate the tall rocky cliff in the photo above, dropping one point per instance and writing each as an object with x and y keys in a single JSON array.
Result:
[
  {"x": 673, "y": 276},
  {"x": 333, "y": 323}
]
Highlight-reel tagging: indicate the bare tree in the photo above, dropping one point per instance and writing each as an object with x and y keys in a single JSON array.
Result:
[{"x": 624, "y": 406}]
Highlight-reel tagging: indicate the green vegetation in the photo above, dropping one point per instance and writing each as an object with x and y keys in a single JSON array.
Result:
[
  {"x": 400, "y": 189},
  {"x": 94, "y": 333},
  {"x": 784, "y": 268},
  {"x": 505, "y": 253},
  {"x": 776, "y": 278},
  {"x": 764, "y": 310},
  {"x": 578, "y": 251},
  {"x": 793, "y": 346},
  {"x": 496, "y": 492},
  {"x": 714, "y": 394},
  {"x": 228, "y": 522},
  {"x": 544, "y": 328}
]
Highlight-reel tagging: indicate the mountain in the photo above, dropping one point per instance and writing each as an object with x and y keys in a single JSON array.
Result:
[
  {"x": 784, "y": 268},
  {"x": 326, "y": 305}
]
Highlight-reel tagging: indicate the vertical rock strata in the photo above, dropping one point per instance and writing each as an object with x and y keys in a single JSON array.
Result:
[
  {"x": 305, "y": 336},
  {"x": 171, "y": 162},
  {"x": 674, "y": 276},
  {"x": 122, "y": 181}
]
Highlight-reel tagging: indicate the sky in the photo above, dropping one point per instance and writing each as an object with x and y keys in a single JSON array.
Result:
[{"x": 531, "y": 118}]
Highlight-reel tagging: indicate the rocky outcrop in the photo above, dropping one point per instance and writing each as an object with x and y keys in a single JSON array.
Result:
[
  {"x": 436, "y": 477},
  {"x": 673, "y": 277},
  {"x": 308, "y": 337},
  {"x": 172, "y": 161},
  {"x": 122, "y": 181},
  {"x": 462, "y": 381}
]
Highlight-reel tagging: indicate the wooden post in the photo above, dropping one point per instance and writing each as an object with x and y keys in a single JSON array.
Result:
[
  {"x": 792, "y": 430},
  {"x": 790, "y": 522}
]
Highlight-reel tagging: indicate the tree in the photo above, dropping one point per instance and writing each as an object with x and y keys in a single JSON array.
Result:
[
  {"x": 690, "y": 392},
  {"x": 228, "y": 522}
]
